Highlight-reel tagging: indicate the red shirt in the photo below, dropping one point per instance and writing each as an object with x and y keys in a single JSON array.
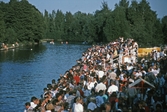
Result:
[{"x": 77, "y": 79}]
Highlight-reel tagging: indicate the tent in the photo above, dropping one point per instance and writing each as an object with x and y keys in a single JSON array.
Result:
[{"x": 142, "y": 84}]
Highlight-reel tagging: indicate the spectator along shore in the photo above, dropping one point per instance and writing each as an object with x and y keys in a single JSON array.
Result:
[{"x": 108, "y": 78}]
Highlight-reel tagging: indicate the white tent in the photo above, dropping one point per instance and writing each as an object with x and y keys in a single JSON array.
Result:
[{"x": 141, "y": 83}]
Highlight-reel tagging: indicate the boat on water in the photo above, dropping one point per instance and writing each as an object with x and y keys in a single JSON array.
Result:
[{"x": 52, "y": 42}]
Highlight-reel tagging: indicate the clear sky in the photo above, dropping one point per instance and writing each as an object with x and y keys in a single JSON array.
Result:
[{"x": 90, "y": 6}]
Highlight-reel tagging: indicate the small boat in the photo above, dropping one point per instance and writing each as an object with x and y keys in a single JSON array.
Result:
[{"x": 52, "y": 42}]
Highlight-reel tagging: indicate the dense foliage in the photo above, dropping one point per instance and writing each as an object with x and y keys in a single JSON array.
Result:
[{"x": 21, "y": 21}]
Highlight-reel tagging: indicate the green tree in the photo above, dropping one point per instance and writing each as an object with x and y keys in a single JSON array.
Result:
[
  {"x": 46, "y": 24},
  {"x": 59, "y": 24},
  {"x": 90, "y": 29},
  {"x": 101, "y": 22},
  {"x": 142, "y": 21},
  {"x": 11, "y": 36},
  {"x": 164, "y": 28},
  {"x": 77, "y": 27},
  {"x": 23, "y": 19},
  {"x": 67, "y": 26},
  {"x": 117, "y": 24},
  {"x": 2, "y": 26}
]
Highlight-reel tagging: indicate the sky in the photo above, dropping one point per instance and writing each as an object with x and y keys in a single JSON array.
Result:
[{"x": 90, "y": 6}]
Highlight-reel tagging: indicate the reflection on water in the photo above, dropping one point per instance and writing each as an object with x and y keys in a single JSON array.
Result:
[
  {"x": 21, "y": 54},
  {"x": 25, "y": 72}
]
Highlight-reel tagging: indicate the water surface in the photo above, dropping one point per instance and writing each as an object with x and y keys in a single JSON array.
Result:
[{"x": 24, "y": 72}]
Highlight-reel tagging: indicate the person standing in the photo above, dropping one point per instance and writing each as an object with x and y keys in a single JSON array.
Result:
[
  {"x": 100, "y": 86},
  {"x": 112, "y": 88},
  {"x": 78, "y": 105}
]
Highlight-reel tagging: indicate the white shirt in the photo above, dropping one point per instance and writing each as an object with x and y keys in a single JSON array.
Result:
[
  {"x": 108, "y": 56},
  {"x": 91, "y": 85},
  {"x": 129, "y": 67},
  {"x": 100, "y": 74},
  {"x": 30, "y": 109},
  {"x": 112, "y": 88},
  {"x": 121, "y": 77},
  {"x": 138, "y": 74},
  {"x": 100, "y": 86},
  {"x": 33, "y": 105},
  {"x": 77, "y": 107},
  {"x": 155, "y": 71}
]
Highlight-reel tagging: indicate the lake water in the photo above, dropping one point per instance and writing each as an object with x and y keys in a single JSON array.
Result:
[{"x": 24, "y": 72}]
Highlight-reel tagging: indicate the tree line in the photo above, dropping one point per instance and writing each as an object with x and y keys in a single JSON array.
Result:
[{"x": 22, "y": 22}]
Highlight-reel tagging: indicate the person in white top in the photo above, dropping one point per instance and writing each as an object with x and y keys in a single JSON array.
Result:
[
  {"x": 28, "y": 107},
  {"x": 112, "y": 88},
  {"x": 100, "y": 86},
  {"x": 78, "y": 107},
  {"x": 34, "y": 101},
  {"x": 100, "y": 74},
  {"x": 155, "y": 69},
  {"x": 90, "y": 84}
]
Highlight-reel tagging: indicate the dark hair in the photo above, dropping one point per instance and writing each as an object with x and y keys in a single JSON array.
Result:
[
  {"x": 101, "y": 92},
  {"x": 33, "y": 98},
  {"x": 27, "y": 104},
  {"x": 45, "y": 89},
  {"x": 49, "y": 86},
  {"x": 65, "y": 105},
  {"x": 55, "y": 101},
  {"x": 53, "y": 80},
  {"x": 58, "y": 94}
]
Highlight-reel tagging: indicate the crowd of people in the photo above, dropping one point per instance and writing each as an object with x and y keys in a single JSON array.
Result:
[{"x": 99, "y": 82}]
